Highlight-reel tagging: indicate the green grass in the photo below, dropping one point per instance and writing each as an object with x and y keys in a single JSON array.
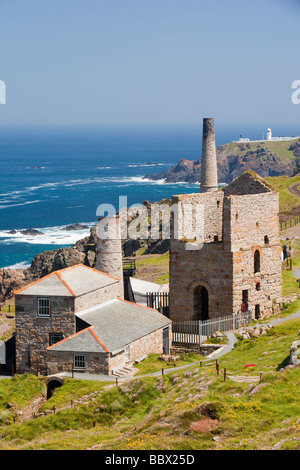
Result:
[
  {"x": 162, "y": 260},
  {"x": 287, "y": 200},
  {"x": 182, "y": 410},
  {"x": 152, "y": 364},
  {"x": 16, "y": 393},
  {"x": 162, "y": 413},
  {"x": 282, "y": 150},
  {"x": 153, "y": 268}
]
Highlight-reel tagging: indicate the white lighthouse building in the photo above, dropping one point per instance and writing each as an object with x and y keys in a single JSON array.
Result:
[{"x": 270, "y": 138}]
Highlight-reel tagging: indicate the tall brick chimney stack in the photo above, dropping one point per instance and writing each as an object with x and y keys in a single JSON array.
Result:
[{"x": 209, "y": 174}]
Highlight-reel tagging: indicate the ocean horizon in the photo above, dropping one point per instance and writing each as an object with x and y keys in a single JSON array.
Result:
[{"x": 54, "y": 177}]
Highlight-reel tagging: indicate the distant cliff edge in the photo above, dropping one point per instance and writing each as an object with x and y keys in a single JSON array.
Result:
[{"x": 265, "y": 158}]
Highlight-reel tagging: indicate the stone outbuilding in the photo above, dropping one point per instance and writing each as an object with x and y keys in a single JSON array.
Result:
[
  {"x": 116, "y": 333},
  {"x": 76, "y": 318}
]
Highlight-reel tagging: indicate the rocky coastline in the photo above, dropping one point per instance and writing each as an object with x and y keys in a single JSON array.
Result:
[
  {"x": 234, "y": 158},
  {"x": 82, "y": 252},
  {"x": 42, "y": 264}
]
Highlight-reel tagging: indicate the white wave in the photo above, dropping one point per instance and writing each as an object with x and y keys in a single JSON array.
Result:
[
  {"x": 74, "y": 182},
  {"x": 16, "y": 205},
  {"x": 22, "y": 265},
  {"x": 136, "y": 165},
  {"x": 48, "y": 236}
]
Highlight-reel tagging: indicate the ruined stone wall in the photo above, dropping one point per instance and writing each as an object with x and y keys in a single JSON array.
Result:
[
  {"x": 206, "y": 220},
  {"x": 248, "y": 219},
  {"x": 211, "y": 267},
  {"x": 251, "y": 224},
  {"x": 32, "y": 332}
]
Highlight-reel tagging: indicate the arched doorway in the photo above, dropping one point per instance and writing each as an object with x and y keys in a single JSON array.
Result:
[{"x": 200, "y": 303}]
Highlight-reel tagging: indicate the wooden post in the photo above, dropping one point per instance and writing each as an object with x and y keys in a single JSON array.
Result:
[
  {"x": 116, "y": 381},
  {"x": 224, "y": 375},
  {"x": 162, "y": 372},
  {"x": 72, "y": 371},
  {"x": 217, "y": 366}
]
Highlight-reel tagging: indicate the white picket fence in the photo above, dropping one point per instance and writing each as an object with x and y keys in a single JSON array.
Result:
[{"x": 191, "y": 334}]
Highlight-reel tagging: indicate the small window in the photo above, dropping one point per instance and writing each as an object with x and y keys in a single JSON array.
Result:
[
  {"x": 19, "y": 308},
  {"x": 266, "y": 240},
  {"x": 257, "y": 261},
  {"x": 258, "y": 286},
  {"x": 79, "y": 362},
  {"x": 257, "y": 312},
  {"x": 44, "y": 307},
  {"x": 55, "y": 338}
]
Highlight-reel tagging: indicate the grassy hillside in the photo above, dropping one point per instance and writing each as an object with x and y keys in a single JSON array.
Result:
[
  {"x": 289, "y": 204},
  {"x": 192, "y": 408}
]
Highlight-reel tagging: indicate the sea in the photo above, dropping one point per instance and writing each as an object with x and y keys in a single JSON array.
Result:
[{"x": 54, "y": 177}]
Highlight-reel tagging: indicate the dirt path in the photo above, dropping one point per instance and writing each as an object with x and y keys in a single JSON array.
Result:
[
  {"x": 31, "y": 410},
  {"x": 294, "y": 189}
]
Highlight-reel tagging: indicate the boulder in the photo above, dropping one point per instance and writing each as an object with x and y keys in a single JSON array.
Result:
[{"x": 295, "y": 353}]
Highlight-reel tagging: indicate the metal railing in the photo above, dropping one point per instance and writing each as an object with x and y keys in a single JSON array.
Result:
[{"x": 160, "y": 301}]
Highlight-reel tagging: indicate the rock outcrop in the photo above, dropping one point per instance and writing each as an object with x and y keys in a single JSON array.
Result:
[
  {"x": 265, "y": 158},
  {"x": 82, "y": 252},
  {"x": 253, "y": 332},
  {"x": 295, "y": 353}
]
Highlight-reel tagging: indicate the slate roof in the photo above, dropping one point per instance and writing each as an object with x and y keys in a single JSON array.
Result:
[
  {"x": 69, "y": 282},
  {"x": 112, "y": 326}
]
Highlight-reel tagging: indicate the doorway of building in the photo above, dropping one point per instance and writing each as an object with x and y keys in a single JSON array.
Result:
[
  {"x": 166, "y": 341},
  {"x": 201, "y": 303},
  {"x": 245, "y": 299}
]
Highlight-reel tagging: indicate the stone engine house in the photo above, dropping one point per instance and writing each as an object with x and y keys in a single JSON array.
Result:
[{"x": 237, "y": 263}]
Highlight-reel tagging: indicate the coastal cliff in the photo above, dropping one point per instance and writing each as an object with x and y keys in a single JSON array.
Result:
[
  {"x": 273, "y": 158},
  {"x": 82, "y": 252}
]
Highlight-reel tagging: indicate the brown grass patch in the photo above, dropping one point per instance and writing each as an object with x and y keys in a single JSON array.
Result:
[{"x": 204, "y": 425}]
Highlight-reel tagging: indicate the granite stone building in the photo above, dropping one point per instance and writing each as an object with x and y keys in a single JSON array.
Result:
[
  {"x": 76, "y": 319},
  {"x": 232, "y": 259}
]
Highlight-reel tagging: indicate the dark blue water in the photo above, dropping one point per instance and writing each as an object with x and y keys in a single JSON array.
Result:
[{"x": 50, "y": 178}]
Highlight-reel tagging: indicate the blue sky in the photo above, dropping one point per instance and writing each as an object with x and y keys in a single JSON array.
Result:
[{"x": 83, "y": 62}]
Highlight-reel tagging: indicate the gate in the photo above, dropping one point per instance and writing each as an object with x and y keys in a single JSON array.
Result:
[{"x": 191, "y": 334}]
